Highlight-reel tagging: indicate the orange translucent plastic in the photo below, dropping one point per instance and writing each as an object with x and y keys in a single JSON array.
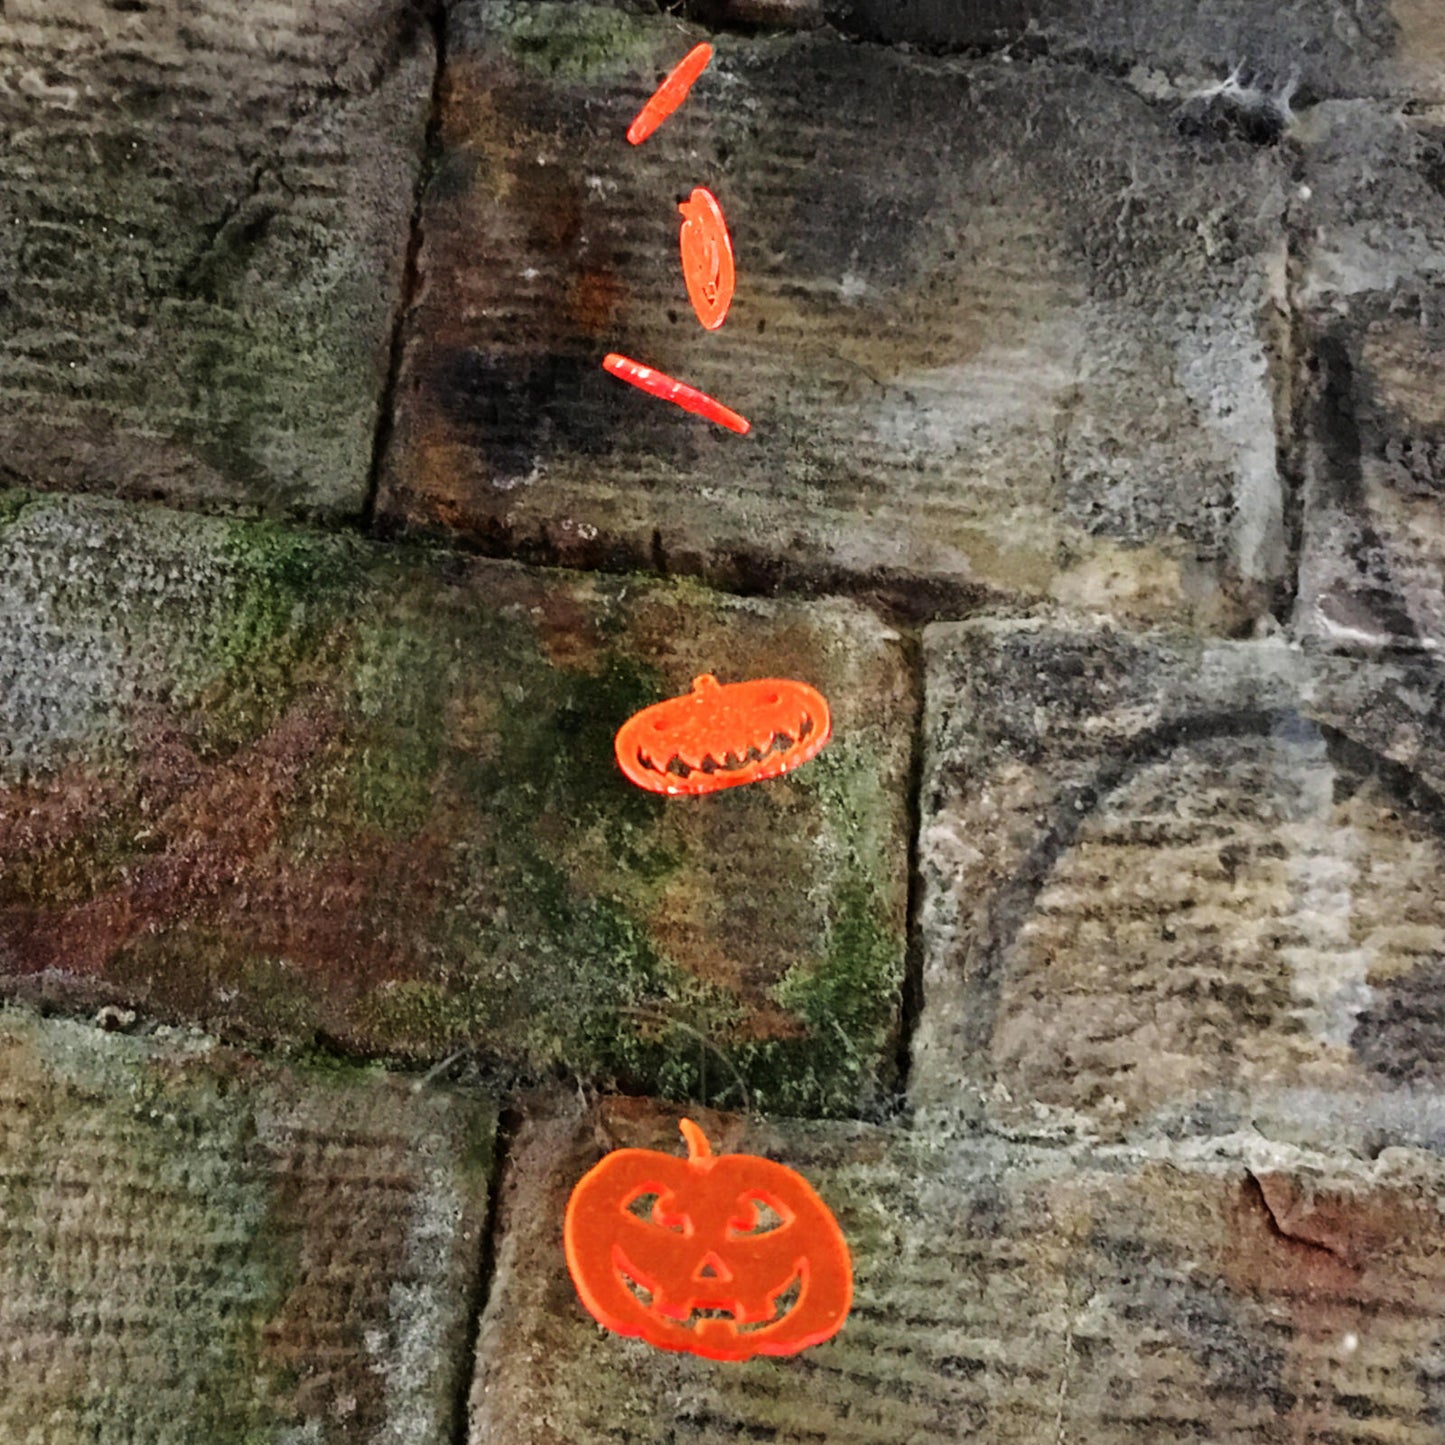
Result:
[
  {"x": 720, "y": 735},
  {"x": 679, "y": 393},
  {"x": 725, "y": 1256},
  {"x": 670, "y": 94},
  {"x": 707, "y": 257}
]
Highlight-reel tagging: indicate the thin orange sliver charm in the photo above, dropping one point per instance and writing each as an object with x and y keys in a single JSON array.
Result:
[
  {"x": 670, "y": 94},
  {"x": 679, "y": 393}
]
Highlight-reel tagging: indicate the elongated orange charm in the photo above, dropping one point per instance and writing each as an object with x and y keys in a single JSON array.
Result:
[
  {"x": 679, "y": 393},
  {"x": 670, "y": 94},
  {"x": 720, "y": 735},
  {"x": 707, "y": 257},
  {"x": 662, "y": 1248}
]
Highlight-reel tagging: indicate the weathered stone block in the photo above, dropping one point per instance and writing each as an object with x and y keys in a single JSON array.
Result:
[
  {"x": 196, "y": 1245},
  {"x": 206, "y": 212},
  {"x": 283, "y": 783},
  {"x": 1178, "y": 886},
  {"x": 1000, "y": 329},
  {"x": 1005, "y": 1294},
  {"x": 1371, "y": 295},
  {"x": 1379, "y": 47}
]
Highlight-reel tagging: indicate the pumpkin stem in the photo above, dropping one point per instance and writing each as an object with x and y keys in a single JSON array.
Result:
[
  {"x": 697, "y": 1145},
  {"x": 706, "y": 683}
]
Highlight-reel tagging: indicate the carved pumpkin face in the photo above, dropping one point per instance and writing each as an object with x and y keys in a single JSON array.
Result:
[
  {"x": 720, "y": 735},
  {"x": 725, "y": 1256},
  {"x": 707, "y": 257}
]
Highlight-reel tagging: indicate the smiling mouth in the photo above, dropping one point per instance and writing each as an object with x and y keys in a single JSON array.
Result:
[
  {"x": 699, "y": 1316},
  {"x": 731, "y": 762}
]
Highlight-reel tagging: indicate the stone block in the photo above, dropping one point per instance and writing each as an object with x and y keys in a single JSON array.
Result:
[
  {"x": 1180, "y": 887},
  {"x": 1378, "y": 48},
  {"x": 1001, "y": 330},
  {"x": 207, "y": 209},
  {"x": 1371, "y": 395},
  {"x": 284, "y": 783},
  {"x": 198, "y": 1245},
  {"x": 1004, "y": 1294}
]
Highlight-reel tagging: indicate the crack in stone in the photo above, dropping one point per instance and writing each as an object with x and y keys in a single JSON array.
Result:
[
  {"x": 1278, "y": 1223},
  {"x": 483, "y": 1275},
  {"x": 212, "y": 234},
  {"x": 433, "y": 14}
]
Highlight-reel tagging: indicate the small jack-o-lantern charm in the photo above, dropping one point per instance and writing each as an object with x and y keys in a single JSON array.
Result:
[
  {"x": 707, "y": 258},
  {"x": 726, "y": 1256},
  {"x": 722, "y": 734}
]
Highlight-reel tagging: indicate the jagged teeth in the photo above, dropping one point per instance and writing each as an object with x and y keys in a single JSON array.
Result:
[
  {"x": 759, "y": 747},
  {"x": 730, "y": 762}
]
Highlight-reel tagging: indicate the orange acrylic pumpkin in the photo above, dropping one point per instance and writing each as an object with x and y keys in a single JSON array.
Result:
[
  {"x": 707, "y": 257},
  {"x": 725, "y": 1256},
  {"x": 722, "y": 734}
]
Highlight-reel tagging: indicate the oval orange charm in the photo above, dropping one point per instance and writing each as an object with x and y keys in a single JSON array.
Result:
[
  {"x": 662, "y": 1248},
  {"x": 720, "y": 735},
  {"x": 707, "y": 257}
]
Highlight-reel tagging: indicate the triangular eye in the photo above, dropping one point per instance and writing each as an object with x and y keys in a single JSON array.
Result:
[
  {"x": 759, "y": 1216},
  {"x": 647, "y": 1206}
]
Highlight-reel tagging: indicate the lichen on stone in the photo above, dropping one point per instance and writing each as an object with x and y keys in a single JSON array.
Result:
[{"x": 572, "y": 41}]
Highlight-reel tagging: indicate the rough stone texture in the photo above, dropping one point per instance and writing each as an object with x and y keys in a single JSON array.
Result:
[
  {"x": 1377, "y": 47},
  {"x": 195, "y": 1245},
  {"x": 1097, "y": 314},
  {"x": 1371, "y": 298},
  {"x": 1177, "y": 886},
  {"x": 279, "y": 782},
  {"x": 1006, "y": 1294},
  {"x": 1025, "y": 359},
  {"x": 206, "y": 209}
]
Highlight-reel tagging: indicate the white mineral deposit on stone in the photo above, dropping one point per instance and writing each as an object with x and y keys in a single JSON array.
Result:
[
  {"x": 503, "y": 483},
  {"x": 418, "y": 1313},
  {"x": 1223, "y": 369},
  {"x": 1254, "y": 93},
  {"x": 1330, "y": 973},
  {"x": 80, "y": 680}
]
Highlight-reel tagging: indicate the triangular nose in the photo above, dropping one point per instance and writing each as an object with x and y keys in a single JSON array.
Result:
[{"x": 712, "y": 1268}]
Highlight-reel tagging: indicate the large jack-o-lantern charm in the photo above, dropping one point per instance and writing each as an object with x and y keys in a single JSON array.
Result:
[
  {"x": 722, "y": 734},
  {"x": 707, "y": 257},
  {"x": 726, "y": 1256}
]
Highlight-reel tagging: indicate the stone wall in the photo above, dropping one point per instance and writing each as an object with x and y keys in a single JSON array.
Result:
[{"x": 1094, "y": 972}]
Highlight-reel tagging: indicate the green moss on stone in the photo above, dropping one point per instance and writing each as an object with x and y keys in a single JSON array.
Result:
[
  {"x": 674, "y": 1045},
  {"x": 848, "y": 996},
  {"x": 849, "y": 1001},
  {"x": 536, "y": 966},
  {"x": 425, "y": 1018},
  {"x": 283, "y": 588},
  {"x": 213, "y": 1279},
  {"x": 576, "y": 976},
  {"x": 574, "y": 41},
  {"x": 401, "y": 679},
  {"x": 282, "y": 574},
  {"x": 855, "y": 987},
  {"x": 12, "y": 503},
  {"x": 190, "y": 971},
  {"x": 554, "y": 754}
]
